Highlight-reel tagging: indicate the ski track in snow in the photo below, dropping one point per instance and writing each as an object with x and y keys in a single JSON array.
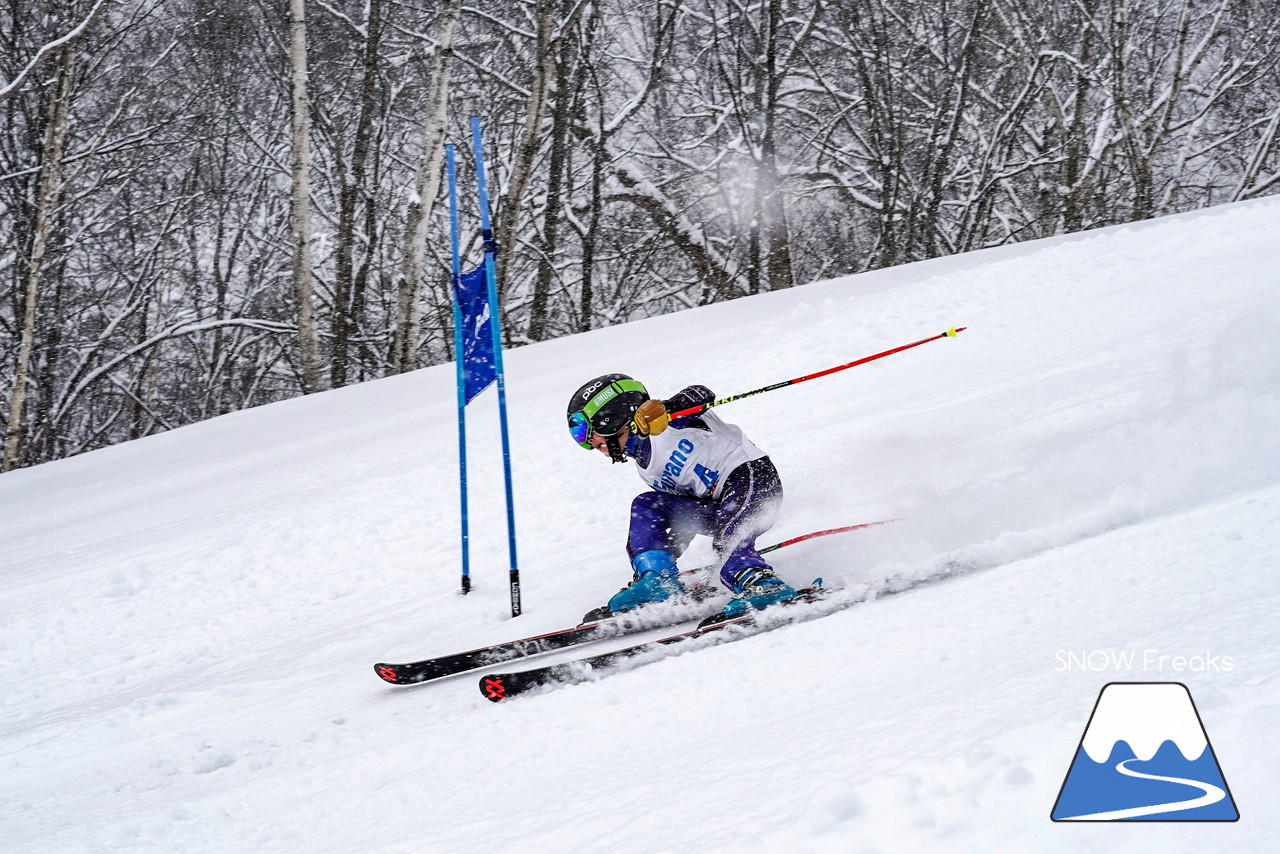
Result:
[{"x": 188, "y": 621}]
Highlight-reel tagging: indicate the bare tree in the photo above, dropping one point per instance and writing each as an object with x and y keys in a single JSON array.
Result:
[
  {"x": 300, "y": 202},
  {"x": 57, "y": 118},
  {"x": 347, "y": 295},
  {"x": 49, "y": 50},
  {"x": 426, "y": 187},
  {"x": 547, "y": 23}
]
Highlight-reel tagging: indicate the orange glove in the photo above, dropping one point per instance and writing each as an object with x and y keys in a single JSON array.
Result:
[{"x": 652, "y": 418}]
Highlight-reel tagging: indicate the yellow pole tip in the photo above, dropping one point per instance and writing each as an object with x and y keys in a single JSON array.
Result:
[{"x": 951, "y": 333}]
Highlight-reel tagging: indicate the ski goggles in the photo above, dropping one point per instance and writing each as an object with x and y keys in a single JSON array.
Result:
[{"x": 581, "y": 427}]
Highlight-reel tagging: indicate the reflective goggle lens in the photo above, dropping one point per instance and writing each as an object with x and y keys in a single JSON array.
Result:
[{"x": 580, "y": 429}]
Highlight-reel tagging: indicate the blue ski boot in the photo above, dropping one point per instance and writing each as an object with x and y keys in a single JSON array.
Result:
[
  {"x": 656, "y": 580},
  {"x": 757, "y": 588}
]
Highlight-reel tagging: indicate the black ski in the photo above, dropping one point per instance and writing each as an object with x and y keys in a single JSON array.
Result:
[
  {"x": 460, "y": 662},
  {"x": 610, "y": 626},
  {"x": 502, "y": 686}
]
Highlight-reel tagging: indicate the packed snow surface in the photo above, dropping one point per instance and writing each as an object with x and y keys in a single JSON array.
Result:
[{"x": 1086, "y": 488}]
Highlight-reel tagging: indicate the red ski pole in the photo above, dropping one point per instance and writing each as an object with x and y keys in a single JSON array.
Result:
[
  {"x": 803, "y": 537},
  {"x": 790, "y": 542},
  {"x": 950, "y": 333}
]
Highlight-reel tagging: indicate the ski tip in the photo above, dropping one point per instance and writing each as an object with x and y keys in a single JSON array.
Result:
[
  {"x": 493, "y": 688},
  {"x": 388, "y": 673}
]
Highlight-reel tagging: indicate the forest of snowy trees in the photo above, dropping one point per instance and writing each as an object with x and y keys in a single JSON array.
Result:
[{"x": 209, "y": 205}]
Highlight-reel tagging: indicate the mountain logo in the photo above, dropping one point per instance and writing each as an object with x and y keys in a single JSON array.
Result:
[{"x": 1145, "y": 756}]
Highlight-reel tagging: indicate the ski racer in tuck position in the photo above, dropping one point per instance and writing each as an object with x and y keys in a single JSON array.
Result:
[{"x": 706, "y": 477}]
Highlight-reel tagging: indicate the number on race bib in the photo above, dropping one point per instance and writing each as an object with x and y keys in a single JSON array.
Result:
[{"x": 706, "y": 475}]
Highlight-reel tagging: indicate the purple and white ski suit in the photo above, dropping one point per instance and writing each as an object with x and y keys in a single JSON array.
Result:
[{"x": 706, "y": 477}]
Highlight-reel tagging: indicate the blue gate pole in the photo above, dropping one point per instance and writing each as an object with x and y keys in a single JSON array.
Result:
[
  {"x": 490, "y": 259},
  {"x": 462, "y": 379}
]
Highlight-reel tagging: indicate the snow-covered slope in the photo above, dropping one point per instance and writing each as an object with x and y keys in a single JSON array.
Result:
[{"x": 1088, "y": 479}]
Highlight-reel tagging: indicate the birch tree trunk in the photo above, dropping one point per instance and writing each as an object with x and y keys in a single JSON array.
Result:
[
  {"x": 55, "y": 138},
  {"x": 544, "y": 62},
  {"x": 404, "y": 340},
  {"x": 300, "y": 202}
]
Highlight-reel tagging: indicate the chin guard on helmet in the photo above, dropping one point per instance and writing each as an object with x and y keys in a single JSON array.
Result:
[{"x": 614, "y": 445}]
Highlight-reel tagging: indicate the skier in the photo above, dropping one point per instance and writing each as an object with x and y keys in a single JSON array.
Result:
[{"x": 707, "y": 478}]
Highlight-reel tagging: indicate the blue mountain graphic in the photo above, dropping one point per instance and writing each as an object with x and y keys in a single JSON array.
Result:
[{"x": 1100, "y": 787}]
